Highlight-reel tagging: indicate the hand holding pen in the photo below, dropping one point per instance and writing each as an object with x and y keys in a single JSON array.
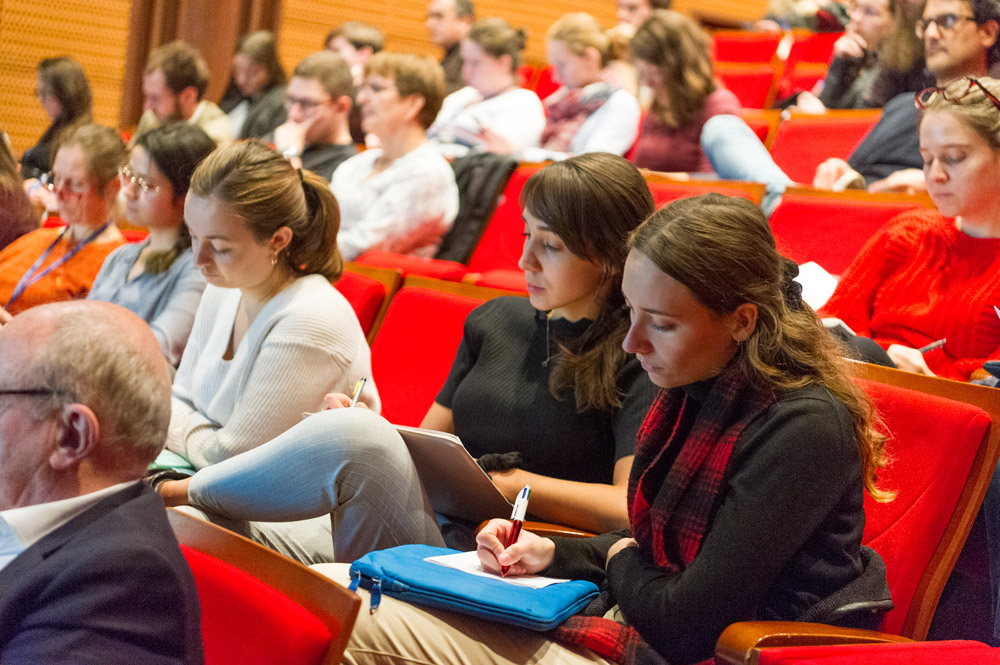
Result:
[
  {"x": 342, "y": 401},
  {"x": 517, "y": 518},
  {"x": 530, "y": 554}
]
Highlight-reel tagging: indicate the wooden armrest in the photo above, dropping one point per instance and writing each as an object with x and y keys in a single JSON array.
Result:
[
  {"x": 740, "y": 641},
  {"x": 547, "y": 529}
]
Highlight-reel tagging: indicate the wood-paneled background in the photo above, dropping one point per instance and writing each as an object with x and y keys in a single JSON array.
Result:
[{"x": 96, "y": 33}]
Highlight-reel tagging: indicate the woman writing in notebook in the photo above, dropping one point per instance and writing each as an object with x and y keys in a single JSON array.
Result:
[
  {"x": 544, "y": 377},
  {"x": 746, "y": 494}
]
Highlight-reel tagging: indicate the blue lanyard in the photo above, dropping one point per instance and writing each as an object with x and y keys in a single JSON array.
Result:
[{"x": 33, "y": 275}]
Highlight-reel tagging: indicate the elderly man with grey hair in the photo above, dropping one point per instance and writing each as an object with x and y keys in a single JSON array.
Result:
[{"x": 89, "y": 568}]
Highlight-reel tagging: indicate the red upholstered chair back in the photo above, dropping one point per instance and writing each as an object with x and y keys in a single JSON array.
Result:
[
  {"x": 932, "y": 447},
  {"x": 501, "y": 244},
  {"x": 415, "y": 348},
  {"x": 664, "y": 189},
  {"x": 258, "y": 606},
  {"x": 831, "y": 228},
  {"x": 744, "y": 46},
  {"x": 365, "y": 295},
  {"x": 804, "y": 141},
  {"x": 753, "y": 84},
  {"x": 950, "y": 652},
  {"x": 245, "y": 622}
]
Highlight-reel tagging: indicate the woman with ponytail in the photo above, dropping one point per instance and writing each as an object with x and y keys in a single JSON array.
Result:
[
  {"x": 157, "y": 279},
  {"x": 540, "y": 385},
  {"x": 272, "y": 335}
]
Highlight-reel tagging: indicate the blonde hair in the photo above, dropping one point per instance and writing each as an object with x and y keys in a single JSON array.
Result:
[
  {"x": 497, "y": 38},
  {"x": 417, "y": 75},
  {"x": 103, "y": 150},
  {"x": 970, "y": 105},
  {"x": 721, "y": 248},
  {"x": 261, "y": 187},
  {"x": 680, "y": 50},
  {"x": 580, "y": 31}
]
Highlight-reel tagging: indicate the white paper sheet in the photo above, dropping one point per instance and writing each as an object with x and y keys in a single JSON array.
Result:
[{"x": 469, "y": 562}]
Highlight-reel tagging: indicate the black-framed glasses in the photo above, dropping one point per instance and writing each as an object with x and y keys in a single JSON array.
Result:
[
  {"x": 31, "y": 391},
  {"x": 953, "y": 94},
  {"x": 307, "y": 105},
  {"x": 944, "y": 22}
]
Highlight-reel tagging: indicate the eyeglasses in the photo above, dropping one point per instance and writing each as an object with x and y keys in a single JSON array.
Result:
[
  {"x": 128, "y": 178},
  {"x": 944, "y": 22},
  {"x": 868, "y": 11},
  {"x": 31, "y": 391},
  {"x": 53, "y": 181},
  {"x": 307, "y": 105},
  {"x": 925, "y": 97}
]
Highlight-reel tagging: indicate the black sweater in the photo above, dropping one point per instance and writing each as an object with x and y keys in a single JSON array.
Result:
[
  {"x": 786, "y": 533},
  {"x": 499, "y": 396}
]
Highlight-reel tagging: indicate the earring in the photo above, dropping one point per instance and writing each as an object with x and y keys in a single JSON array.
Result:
[{"x": 274, "y": 260}]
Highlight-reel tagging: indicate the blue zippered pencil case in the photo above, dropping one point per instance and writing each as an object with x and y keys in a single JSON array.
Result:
[{"x": 402, "y": 573}]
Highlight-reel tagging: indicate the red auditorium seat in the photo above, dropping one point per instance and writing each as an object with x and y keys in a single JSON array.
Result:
[
  {"x": 804, "y": 141},
  {"x": 753, "y": 83},
  {"x": 942, "y": 449},
  {"x": 415, "y": 346},
  {"x": 368, "y": 290},
  {"x": 830, "y": 228},
  {"x": 259, "y": 607},
  {"x": 949, "y": 652},
  {"x": 744, "y": 46}
]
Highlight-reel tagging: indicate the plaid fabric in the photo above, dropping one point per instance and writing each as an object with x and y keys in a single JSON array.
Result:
[
  {"x": 672, "y": 496},
  {"x": 568, "y": 110}
]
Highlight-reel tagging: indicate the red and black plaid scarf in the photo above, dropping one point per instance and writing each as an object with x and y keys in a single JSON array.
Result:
[{"x": 672, "y": 494}]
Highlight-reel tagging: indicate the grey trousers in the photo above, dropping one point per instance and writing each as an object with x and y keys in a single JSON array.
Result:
[{"x": 340, "y": 478}]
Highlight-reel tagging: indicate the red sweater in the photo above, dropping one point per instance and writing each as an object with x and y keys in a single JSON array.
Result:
[{"x": 920, "y": 279}]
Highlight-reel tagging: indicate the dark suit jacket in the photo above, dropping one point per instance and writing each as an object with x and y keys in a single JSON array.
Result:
[{"x": 109, "y": 586}]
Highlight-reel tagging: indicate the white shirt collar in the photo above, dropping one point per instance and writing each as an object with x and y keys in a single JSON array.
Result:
[{"x": 29, "y": 524}]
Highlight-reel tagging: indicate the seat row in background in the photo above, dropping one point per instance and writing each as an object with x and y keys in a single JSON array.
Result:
[{"x": 809, "y": 225}]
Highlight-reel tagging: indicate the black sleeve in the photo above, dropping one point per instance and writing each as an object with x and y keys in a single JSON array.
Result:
[
  {"x": 837, "y": 84},
  {"x": 468, "y": 351},
  {"x": 786, "y": 477},
  {"x": 639, "y": 395},
  {"x": 583, "y": 558},
  {"x": 892, "y": 144}
]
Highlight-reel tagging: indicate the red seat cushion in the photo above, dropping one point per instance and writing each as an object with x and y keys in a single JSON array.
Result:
[
  {"x": 414, "y": 265},
  {"x": 750, "y": 83},
  {"x": 365, "y": 295},
  {"x": 829, "y": 231},
  {"x": 931, "y": 448},
  {"x": 951, "y": 652},
  {"x": 245, "y": 622},
  {"x": 415, "y": 348}
]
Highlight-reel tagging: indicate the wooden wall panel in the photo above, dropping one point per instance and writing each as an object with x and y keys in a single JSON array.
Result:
[
  {"x": 94, "y": 32},
  {"x": 304, "y": 23}
]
